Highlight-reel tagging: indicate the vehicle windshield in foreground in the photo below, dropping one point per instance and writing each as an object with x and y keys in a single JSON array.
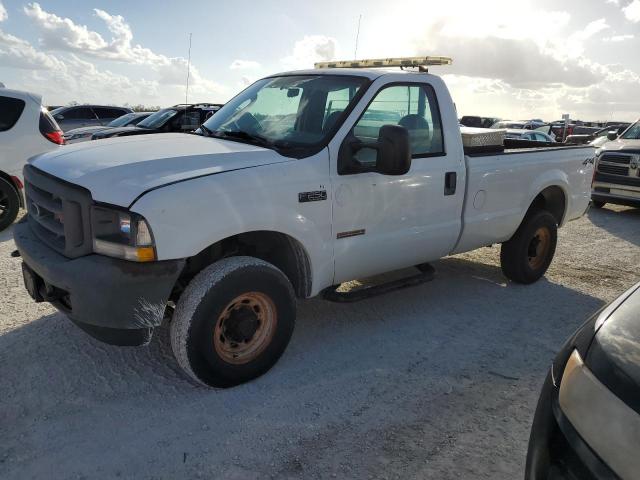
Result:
[
  {"x": 633, "y": 132},
  {"x": 121, "y": 121},
  {"x": 159, "y": 118},
  {"x": 293, "y": 111}
]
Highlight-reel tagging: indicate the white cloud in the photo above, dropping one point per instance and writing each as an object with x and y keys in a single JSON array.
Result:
[
  {"x": 311, "y": 49},
  {"x": 3, "y": 13},
  {"x": 243, "y": 65},
  {"x": 632, "y": 11},
  {"x": 591, "y": 29},
  {"x": 619, "y": 38},
  {"x": 18, "y": 53},
  {"x": 62, "y": 34},
  {"x": 519, "y": 63}
]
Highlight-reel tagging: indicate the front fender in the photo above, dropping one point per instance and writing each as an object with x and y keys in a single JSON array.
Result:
[{"x": 189, "y": 216}]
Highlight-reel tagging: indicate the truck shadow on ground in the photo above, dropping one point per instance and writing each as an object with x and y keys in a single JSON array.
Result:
[
  {"x": 609, "y": 218},
  {"x": 6, "y": 235},
  {"x": 469, "y": 321}
]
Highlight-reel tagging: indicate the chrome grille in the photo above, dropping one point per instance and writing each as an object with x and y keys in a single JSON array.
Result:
[
  {"x": 615, "y": 158},
  {"x": 621, "y": 164},
  {"x": 613, "y": 169}
]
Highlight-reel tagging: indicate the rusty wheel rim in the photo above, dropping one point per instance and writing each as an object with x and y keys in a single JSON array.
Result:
[
  {"x": 245, "y": 328},
  {"x": 539, "y": 247}
]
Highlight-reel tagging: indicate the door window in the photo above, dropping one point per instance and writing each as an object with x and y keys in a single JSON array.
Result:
[
  {"x": 103, "y": 112},
  {"x": 10, "y": 112},
  {"x": 79, "y": 113},
  {"x": 411, "y": 106}
]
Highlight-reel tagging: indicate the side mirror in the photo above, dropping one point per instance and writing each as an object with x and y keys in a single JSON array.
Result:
[
  {"x": 394, "y": 153},
  {"x": 59, "y": 117},
  {"x": 389, "y": 155},
  {"x": 612, "y": 135}
]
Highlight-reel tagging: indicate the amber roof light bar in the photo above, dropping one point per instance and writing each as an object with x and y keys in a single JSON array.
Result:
[{"x": 416, "y": 62}]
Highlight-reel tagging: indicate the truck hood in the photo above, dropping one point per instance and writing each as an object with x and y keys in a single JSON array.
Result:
[
  {"x": 119, "y": 170},
  {"x": 621, "y": 144}
]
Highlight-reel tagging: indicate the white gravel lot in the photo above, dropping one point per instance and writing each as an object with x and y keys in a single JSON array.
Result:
[{"x": 438, "y": 381}]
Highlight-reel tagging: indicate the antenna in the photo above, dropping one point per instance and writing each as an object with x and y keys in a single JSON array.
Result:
[
  {"x": 355, "y": 53},
  {"x": 186, "y": 95}
]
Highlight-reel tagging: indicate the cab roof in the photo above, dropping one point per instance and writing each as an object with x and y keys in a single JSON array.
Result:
[{"x": 370, "y": 73}]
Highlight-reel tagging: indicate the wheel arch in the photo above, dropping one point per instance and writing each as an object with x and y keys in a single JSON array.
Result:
[
  {"x": 12, "y": 182},
  {"x": 553, "y": 199},
  {"x": 277, "y": 248}
]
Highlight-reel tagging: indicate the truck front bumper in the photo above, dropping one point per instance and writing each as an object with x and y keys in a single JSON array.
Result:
[
  {"x": 116, "y": 301},
  {"x": 625, "y": 190}
]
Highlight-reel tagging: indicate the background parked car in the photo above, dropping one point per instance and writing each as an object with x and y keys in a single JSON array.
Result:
[
  {"x": 478, "y": 122},
  {"x": 83, "y": 134},
  {"x": 87, "y": 115},
  {"x": 26, "y": 129},
  {"x": 518, "y": 124},
  {"x": 587, "y": 423},
  {"x": 580, "y": 137},
  {"x": 531, "y": 135},
  {"x": 179, "y": 118}
]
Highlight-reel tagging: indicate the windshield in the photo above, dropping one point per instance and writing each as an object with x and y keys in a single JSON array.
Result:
[
  {"x": 633, "y": 132},
  {"x": 121, "y": 121},
  {"x": 288, "y": 111},
  {"x": 159, "y": 118}
]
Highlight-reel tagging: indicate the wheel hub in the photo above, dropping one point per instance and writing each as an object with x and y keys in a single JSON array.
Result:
[
  {"x": 241, "y": 325},
  {"x": 245, "y": 328},
  {"x": 539, "y": 247}
]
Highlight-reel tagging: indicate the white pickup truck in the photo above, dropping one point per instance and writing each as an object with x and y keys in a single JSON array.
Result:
[{"x": 304, "y": 180}]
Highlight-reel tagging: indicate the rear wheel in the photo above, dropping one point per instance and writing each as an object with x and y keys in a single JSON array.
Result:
[
  {"x": 527, "y": 255},
  {"x": 9, "y": 204},
  {"x": 598, "y": 203},
  {"x": 233, "y": 321}
]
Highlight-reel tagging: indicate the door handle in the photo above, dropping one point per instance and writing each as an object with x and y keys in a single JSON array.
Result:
[{"x": 450, "y": 181}]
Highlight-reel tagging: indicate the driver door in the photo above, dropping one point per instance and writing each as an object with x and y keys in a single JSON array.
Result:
[{"x": 386, "y": 222}]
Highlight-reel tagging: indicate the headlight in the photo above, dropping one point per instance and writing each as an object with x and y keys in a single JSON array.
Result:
[{"x": 122, "y": 234}]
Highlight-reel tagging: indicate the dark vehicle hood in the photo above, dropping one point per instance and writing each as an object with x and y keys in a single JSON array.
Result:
[
  {"x": 614, "y": 355},
  {"x": 125, "y": 131},
  {"x": 84, "y": 130}
]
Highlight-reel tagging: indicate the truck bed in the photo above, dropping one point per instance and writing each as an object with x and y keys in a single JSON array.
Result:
[{"x": 498, "y": 193}]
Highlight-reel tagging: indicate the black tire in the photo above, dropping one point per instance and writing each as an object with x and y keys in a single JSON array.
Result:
[
  {"x": 527, "y": 255},
  {"x": 9, "y": 204},
  {"x": 597, "y": 204},
  {"x": 211, "y": 329}
]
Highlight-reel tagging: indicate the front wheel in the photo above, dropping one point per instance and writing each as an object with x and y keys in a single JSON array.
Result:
[
  {"x": 9, "y": 204},
  {"x": 527, "y": 255},
  {"x": 233, "y": 321}
]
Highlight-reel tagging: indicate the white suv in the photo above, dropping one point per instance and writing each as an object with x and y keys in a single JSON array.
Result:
[{"x": 26, "y": 129}]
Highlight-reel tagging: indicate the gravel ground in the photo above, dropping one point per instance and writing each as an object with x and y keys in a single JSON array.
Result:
[{"x": 438, "y": 381}]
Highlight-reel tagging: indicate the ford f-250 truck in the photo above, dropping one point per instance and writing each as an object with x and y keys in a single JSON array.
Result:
[{"x": 303, "y": 181}]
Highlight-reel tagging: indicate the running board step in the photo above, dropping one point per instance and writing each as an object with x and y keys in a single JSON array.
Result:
[{"x": 427, "y": 273}]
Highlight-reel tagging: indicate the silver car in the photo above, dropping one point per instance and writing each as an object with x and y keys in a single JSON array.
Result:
[
  {"x": 532, "y": 135},
  {"x": 83, "y": 134},
  {"x": 87, "y": 115}
]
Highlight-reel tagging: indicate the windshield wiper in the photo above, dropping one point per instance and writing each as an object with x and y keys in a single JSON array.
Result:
[
  {"x": 206, "y": 131},
  {"x": 242, "y": 135}
]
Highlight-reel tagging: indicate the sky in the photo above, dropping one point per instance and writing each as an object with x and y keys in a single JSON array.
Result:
[{"x": 511, "y": 59}]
